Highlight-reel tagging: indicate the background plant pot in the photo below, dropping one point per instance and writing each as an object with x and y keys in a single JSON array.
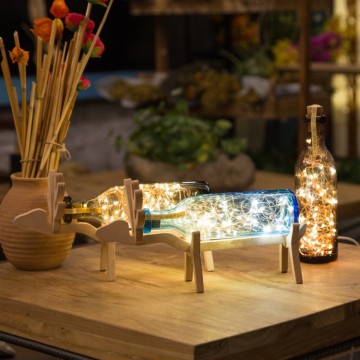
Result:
[
  {"x": 30, "y": 250},
  {"x": 222, "y": 174}
]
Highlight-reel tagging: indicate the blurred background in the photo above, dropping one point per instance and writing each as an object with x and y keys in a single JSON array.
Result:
[{"x": 242, "y": 61}]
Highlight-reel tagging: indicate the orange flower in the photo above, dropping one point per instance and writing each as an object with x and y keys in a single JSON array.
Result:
[
  {"x": 59, "y": 9},
  {"x": 18, "y": 55},
  {"x": 42, "y": 28}
]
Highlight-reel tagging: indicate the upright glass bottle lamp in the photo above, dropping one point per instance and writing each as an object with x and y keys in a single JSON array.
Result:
[{"x": 316, "y": 190}]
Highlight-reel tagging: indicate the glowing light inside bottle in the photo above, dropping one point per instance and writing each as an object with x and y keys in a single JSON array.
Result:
[
  {"x": 317, "y": 196},
  {"x": 111, "y": 205},
  {"x": 230, "y": 215}
]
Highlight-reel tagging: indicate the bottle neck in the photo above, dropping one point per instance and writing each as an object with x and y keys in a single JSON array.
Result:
[
  {"x": 318, "y": 136},
  {"x": 79, "y": 209}
]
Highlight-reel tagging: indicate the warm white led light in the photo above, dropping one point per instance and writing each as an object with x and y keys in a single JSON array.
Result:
[
  {"x": 229, "y": 215},
  {"x": 317, "y": 199},
  {"x": 111, "y": 205}
]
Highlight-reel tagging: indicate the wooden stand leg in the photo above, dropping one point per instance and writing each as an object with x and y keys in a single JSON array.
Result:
[
  {"x": 283, "y": 258},
  {"x": 188, "y": 266},
  {"x": 108, "y": 259},
  {"x": 209, "y": 261},
  {"x": 294, "y": 254},
  {"x": 195, "y": 255},
  {"x": 103, "y": 257},
  {"x": 111, "y": 260}
]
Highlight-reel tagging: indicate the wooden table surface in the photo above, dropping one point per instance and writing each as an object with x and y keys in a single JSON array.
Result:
[{"x": 248, "y": 310}]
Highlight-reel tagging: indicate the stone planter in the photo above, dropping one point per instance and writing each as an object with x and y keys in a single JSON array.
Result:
[{"x": 222, "y": 174}]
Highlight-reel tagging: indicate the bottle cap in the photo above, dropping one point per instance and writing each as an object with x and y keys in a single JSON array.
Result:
[
  {"x": 320, "y": 116},
  {"x": 319, "y": 109}
]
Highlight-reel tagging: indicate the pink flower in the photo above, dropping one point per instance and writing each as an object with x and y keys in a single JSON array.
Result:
[
  {"x": 83, "y": 84},
  {"x": 325, "y": 45},
  {"x": 73, "y": 21},
  {"x": 98, "y": 2},
  {"x": 98, "y": 48},
  {"x": 90, "y": 26}
]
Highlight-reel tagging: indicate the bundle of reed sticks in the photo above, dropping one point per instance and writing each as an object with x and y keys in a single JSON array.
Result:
[{"x": 42, "y": 121}]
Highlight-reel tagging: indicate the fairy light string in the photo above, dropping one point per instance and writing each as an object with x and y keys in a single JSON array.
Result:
[
  {"x": 317, "y": 194},
  {"x": 111, "y": 205},
  {"x": 230, "y": 215}
]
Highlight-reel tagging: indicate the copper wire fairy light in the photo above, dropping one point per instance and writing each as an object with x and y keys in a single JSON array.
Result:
[
  {"x": 315, "y": 180},
  {"x": 229, "y": 215},
  {"x": 111, "y": 205}
]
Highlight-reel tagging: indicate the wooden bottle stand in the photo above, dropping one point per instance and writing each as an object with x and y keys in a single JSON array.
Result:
[{"x": 132, "y": 234}]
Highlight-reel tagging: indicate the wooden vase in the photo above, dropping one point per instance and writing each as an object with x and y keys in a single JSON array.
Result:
[{"x": 24, "y": 249}]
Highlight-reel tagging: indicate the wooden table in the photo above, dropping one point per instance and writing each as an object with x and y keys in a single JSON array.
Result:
[{"x": 248, "y": 310}]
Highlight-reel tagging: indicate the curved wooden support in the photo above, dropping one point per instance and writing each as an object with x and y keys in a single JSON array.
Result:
[
  {"x": 167, "y": 238},
  {"x": 51, "y": 221},
  {"x": 192, "y": 249},
  {"x": 117, "y": 231},
  {"x": 34, "y": 220},
  {"x": 56, "y": 205}
]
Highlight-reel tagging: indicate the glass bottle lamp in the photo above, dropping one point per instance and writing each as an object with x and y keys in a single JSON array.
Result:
[
  {"x": 221, "y": 216},
  {"x": 316, "y": 190},
  {"x": 111, "y": 204}
]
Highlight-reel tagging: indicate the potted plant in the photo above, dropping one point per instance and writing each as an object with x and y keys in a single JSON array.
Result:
[
  {"x": 171, "y": 144},
  {"x": 41, "y": 122}
]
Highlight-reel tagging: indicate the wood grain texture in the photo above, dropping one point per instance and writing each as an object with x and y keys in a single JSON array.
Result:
[{"x": 249, "y": 310}]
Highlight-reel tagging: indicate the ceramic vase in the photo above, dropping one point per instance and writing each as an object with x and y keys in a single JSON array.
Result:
[{"x": 24, "y": 249}]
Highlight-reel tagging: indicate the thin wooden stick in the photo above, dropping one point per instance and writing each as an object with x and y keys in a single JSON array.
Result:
[
  {"x": 12, "y": 95},
  {"x": 29, "y": 129},
  {"x": 73, "y": 91},
  {"x": 86, "y": 56},
  {"x": 39, "y": 46},
  {"x": 44, "y": 122},
  {"x": 39, "y": 106},
  {"x": 22, "y": 74},
  {"x": 54, "y": 119},
  {"x": 47, "y": 61},
  {"x": 34, "y": 140},
  {"x": 37, "y": 152}
]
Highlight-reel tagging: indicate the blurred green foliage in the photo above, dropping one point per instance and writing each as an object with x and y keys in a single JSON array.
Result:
[{"x": 177, "y": 137}]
